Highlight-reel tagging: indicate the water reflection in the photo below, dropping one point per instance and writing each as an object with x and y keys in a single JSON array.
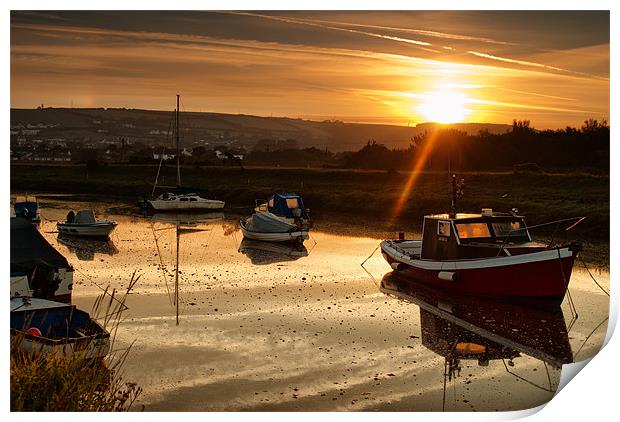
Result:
[
  {"x": 187, "y": 219},
  {"x": 470, "y": 327},
  {"x": 85, "y": 249},
  {"x": 263, "y": 253},
  {"x": 461, "y": 328}
]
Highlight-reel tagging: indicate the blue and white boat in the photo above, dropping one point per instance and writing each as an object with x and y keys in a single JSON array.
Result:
[
  {"x": 281, "y": 218},
  {"x": 42, "y": 326},
  {"x": 27, "y": 208}
]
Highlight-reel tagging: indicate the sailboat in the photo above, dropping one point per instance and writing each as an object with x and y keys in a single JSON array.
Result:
[{"x": 181, "y": 201}]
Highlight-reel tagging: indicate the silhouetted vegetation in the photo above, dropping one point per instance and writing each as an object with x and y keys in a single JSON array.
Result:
[{"x": 586, "y": 148}]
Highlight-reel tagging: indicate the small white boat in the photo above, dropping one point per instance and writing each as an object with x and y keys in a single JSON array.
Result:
[
  {"x": 282, "y": 218},
  {"x": 186, "y": 202},
  {"x": 84, "y": 224},
  {"x": 42, "y": 326}
]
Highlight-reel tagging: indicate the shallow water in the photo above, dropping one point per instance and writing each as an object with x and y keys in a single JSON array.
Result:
[{"x": 265, "y": 327}]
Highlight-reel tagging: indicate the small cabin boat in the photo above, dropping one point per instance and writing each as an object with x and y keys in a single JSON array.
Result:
[
  {"x": 27, "y": 208},
  {"x": 37, "y": 269},
  {"x": 43, "y": 326},
  {"x": 84, "y": 224},
  {"x": 487, "y": 253},
  {"x": 281, "y": 218}
]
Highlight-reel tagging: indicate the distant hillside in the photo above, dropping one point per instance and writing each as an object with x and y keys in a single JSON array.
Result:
[{"x": 151, "y": 127}]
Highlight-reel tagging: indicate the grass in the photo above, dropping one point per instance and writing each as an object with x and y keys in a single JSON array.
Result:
[
  {"x": 54, "y": 382},
  {"x": 358, "y": 197}
]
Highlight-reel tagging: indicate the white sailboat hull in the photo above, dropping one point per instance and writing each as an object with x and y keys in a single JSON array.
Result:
[{"x": 174, "y": 205}]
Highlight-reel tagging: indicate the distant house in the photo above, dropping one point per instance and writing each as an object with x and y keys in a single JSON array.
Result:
[
  {"x": 228, "y": 156},
  {"x": 168, "y": 154}
]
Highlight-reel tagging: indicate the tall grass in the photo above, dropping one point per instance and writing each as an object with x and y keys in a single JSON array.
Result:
[{"x": 55, "y": 382}]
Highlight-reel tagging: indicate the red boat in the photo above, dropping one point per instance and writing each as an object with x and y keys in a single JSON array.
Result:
[{"x": 487, "y": 253}]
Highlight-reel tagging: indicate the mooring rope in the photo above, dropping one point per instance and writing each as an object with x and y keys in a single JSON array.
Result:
[{"x": 592, "y": 277}]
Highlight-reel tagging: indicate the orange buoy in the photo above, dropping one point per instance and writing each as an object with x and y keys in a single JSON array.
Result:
[{"x": 34, "y": 331}]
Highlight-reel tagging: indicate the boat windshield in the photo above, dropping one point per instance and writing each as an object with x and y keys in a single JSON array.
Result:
[
  {"x": 508, "y": 228},
  {"x": 492, "y": 230},
  {"x": 473, "y": 230},
  {"x": 292, "y": 203}
]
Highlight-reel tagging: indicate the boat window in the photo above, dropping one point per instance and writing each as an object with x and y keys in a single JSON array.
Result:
[
  {"x": 184, "y": 199},
  {"x": 508, "y": 228},
  {"x": 443, "y": 228},
  {"x": 473, "y": 230},
  {"x": 292, "y": 203},
  {"x": 193, "y": 198}
]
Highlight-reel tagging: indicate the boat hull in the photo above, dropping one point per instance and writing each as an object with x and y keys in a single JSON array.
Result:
[
  {"x": 165, "y": 206},
  {"x": 299, "y": 235},
  {"x": 544, "y": 274},
  {"x": 87, "y": 230}
]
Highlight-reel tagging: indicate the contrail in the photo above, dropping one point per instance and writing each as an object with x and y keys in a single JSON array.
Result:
[
  {"x": 533, "y": 64},
  {"x": 420, "y": 44}
]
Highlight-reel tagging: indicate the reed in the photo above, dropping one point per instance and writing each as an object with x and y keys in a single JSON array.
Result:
[{"x": 53, "y": 382}]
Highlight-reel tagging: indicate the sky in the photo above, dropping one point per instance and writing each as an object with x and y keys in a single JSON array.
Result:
[{"x": 396, "y": 67}]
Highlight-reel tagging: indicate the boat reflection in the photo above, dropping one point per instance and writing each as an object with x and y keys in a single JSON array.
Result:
[
  {"x": 469, "y": 327},
  {"x": 187, "y": 219},
  {"x": 85, "y": 249},
  {"x": 264, "y": 253}
]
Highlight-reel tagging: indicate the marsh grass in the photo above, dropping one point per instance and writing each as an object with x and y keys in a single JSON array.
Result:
[{"x": 55, "y": 382}]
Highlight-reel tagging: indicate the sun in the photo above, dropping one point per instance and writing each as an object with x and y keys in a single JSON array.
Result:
[{"x": 444, "y": 107}]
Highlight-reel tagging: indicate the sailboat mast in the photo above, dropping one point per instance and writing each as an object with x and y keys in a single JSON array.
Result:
[{"x": 178, "y": 151}]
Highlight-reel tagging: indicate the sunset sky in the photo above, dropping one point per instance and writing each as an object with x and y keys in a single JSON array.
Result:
[{"x": 379, "y": 67}]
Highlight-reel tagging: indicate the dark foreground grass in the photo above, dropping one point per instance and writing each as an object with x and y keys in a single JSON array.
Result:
[
  {"x": 54, "y": 382},
  {"x": 358, "y": 197}
]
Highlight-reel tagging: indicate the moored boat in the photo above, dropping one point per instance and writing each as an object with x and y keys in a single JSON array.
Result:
[
  {"x": 42, "y": 326},
  {"x": 181, "y": 200},
  {"x": 84, "y": 224},
  {"x": 37, "y": 268},
  {"x": 185, "y": 202},
  {"x": 487, "y": 253},
  {"x": 281, "y": 218},
  {"x": 27, "y": 208}
]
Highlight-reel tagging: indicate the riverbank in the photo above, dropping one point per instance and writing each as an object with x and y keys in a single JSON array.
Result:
[{"x": 359, "y": 199}]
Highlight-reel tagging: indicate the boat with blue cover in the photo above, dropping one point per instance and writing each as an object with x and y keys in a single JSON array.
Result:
[
  {"x": 281, "y": 218},
  {"x": 42, "y": 326},
  {"x": 28, "y": 208}
]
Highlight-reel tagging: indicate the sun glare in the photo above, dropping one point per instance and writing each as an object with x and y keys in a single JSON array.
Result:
[{"x": 444, "y": 107}]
